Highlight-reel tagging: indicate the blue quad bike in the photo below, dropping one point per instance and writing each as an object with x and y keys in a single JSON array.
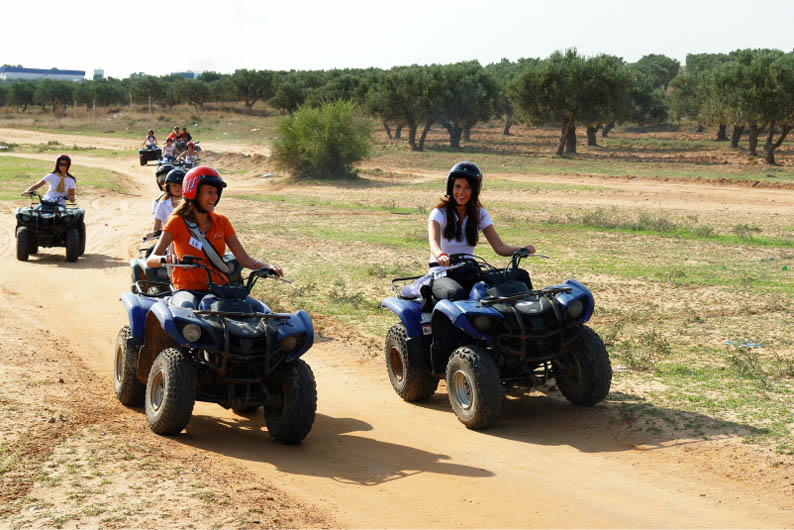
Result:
[
  {"x": 503, "y": 338},
  {"x": 147, "y": 154},
  {"x": 232, "y": 350},
  {"x": 155, "y": 280},
  {"x": 49, "y": 224}
]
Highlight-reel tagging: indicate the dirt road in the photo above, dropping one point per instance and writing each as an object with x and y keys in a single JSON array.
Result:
[{"x": 374, "y": 461}]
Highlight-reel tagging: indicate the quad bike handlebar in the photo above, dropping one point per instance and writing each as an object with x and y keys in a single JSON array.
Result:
[{"x": 193, "y": 262}]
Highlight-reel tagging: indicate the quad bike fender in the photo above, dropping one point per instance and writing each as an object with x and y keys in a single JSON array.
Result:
[
  {"x": 578, "y": 292},
  {"x": 298, "y": 323},
  {"x": 171, "y": 319},
  {"x": 459, "y": 313},
  {"x": 137, "y": 308},
  {"x": 409, "y": 312}
]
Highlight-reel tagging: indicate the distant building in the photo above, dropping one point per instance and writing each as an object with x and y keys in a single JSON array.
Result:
[
  {"x": 186, "y": 75},
  {"x": 99, "y": 73},
  {"x": 14, "y": 72}
]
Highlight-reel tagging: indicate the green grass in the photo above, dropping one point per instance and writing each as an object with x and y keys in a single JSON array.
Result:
[{"x": 17, "y": 174}]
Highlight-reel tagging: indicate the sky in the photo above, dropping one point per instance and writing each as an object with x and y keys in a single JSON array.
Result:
[{"x": 124, "y": 37}]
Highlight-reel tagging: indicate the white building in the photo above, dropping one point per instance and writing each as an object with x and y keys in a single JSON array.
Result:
[{"x": 13, "y": 72}]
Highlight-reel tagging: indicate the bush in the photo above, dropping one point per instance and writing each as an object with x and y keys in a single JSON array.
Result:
[{"x": 322, "y": 142}]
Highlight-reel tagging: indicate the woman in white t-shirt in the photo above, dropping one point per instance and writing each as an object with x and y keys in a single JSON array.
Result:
[
  {"x": 454, "y": 227},
  {"x": 61, "y": 182},
  {"x": 190, "y": 155},
  {"x": 169, "y": 151},
  {"x": 150, "y": 141}
]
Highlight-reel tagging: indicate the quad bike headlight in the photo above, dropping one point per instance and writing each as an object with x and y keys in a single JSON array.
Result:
[
  {"x": 575, "y": 309},
  {"x": 289, "y": 344},
  {"x": 25, "y": 218},
  {"x": 191, "y": 332},
  {"x": 482, "y": 323}
]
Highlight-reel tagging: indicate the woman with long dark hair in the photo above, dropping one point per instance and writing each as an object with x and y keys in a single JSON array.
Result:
[
  {"x": 454, "y": 227},
  {"x": 62, "y": 184}
]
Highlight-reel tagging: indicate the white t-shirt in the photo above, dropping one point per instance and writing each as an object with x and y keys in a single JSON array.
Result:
[
  {"x": 151, "y": 141},
  {"x": 452, "y": 246},
  {"x": 168, "y": 150},
  {"x": 163, "y": 210},
  {"x": 52, "y": 179}
]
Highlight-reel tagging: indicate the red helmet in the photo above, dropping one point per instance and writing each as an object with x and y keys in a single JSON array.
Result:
[
  {"x": 198, "y": 176},
  {"x": 190, "y": 144}
]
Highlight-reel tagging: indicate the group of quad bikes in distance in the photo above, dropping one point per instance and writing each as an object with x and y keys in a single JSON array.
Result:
[{"x": 234, "y": 351}]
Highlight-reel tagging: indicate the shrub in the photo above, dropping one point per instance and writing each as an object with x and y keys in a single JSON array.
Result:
[{"x": 322, "y": 142}]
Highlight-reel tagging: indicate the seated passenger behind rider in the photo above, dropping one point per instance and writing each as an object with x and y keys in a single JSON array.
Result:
[
  {"x": 453, "y": 228},
  {"x": 190, "y": 156},
  {"x": 61, "y": 182},
  {"x": 150, "y": 141},
  {"x": 184, "y": 136},
  {"x": 173, "y": 197},
  {"x": 201, "y": 191}
]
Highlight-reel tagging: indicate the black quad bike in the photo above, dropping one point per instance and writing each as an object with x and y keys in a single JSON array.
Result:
[
  {"x": 50, "y": 224},
  {"x": 230, "y": 350},
  {"x": 505, "y": 337},
  {"x": 148, "y": 154}
]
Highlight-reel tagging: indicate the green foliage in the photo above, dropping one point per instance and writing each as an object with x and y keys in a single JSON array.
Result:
[
  {"x": 659, "y": 68},
  {"x": 322, "y": 142}
]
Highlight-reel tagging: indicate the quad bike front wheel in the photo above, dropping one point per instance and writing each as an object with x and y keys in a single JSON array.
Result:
[
  {"x": 128, "y": 388},
  {"x": 586, "y": 373},
  {"x": 81, "y": 231},
  {"x": 475, "y": 387},
  {"x": 170, "y": 392},
  {"x": 72, "y": 244},
  {"x": 409, "y": 383},
  {"x": 289, "y": 414},
  {"x": 24, "y": 239}
]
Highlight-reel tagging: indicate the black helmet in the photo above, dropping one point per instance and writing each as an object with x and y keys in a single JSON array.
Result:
[
  {"x": 162, "y": 172},
  {"x": 176, "y": 175},
  {"x": 470, "y": 172}
]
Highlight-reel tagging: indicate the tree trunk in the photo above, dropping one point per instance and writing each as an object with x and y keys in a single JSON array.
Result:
[
  {"x": 770, "y": 146},
  {"x": 455, "y": 132},
  {"x": 412, "y": 137},
  {"x": 425, "y": 130},
  {"x": 721, "y": 134},
  {"x": 699, "y": 128},
  {"x": 506, "y": 131},
  {"x": 467, "y": 134},
  {"x": 736, "y": 135},
  {"x": 608, "y": 127},
  {"x": 398, "y": 131},
  {"x": 570, "y": 142},
  {"x": 591, "y": 135},
  {"x": 563, "y": 136},
  {"x": 387, "y": 129},
  {"x": 752, "y": 139}
]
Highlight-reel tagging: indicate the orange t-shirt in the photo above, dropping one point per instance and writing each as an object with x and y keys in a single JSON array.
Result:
[
  {"x": 171, "y": 136},
  {"x": 185, "y": 244}
]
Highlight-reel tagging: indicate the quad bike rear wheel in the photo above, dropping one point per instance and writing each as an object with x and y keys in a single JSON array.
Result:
[
  {"x": 290, "y": 412},
  {"x": 586, "y": 373},
  {"x": 72, "y": 244},
  {"x": 24, "y": 239},
  {"x": 128, "y": 388},
  {"x": 475, "y": 387},
  {"x": 409, "y": 383},
  {"x": 170, "y": 392}
]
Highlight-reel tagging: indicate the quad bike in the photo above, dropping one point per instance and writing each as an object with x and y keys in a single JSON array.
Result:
[
  {"x": 504, "y": 337},
  {"x": 149, "y": 153},
  {"x": 50, "y": 224},
  {"x": 231, "y": 350},
  {"x": 152, "y": 281}
]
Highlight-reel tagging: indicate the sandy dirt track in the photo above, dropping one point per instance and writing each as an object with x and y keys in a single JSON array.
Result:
[{"x": 374, "y": 461}]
